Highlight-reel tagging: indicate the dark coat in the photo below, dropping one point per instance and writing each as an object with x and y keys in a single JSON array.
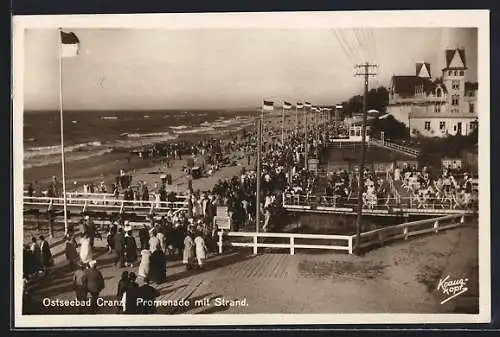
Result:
[
  {"x": 132, "y": 290},
  {"x": 122, "y": 287},
  {"x": 148, "y": 293},
  {"x": 119, "y": 242},
  {"x": 95, "y": 281},
  {"x": 157, "y": 267},
  {"x": 131, "y": 249},
  {"x": 46, "y": 254}
]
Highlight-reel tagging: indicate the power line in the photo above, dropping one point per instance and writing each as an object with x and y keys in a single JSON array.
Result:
[{"x": 343, "y": 46}]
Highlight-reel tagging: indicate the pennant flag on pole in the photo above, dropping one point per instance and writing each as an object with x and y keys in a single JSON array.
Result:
[
  {"x": 287, "y": 105},
  {"x": 268, "y": 106},
  {"x": 299, "y": 105},
  {"x": 307, "y": 104},
  {"x": 70, "y": 44}
]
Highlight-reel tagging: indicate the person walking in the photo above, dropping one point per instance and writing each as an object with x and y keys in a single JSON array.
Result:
[
  {"x": 36, "y": 255},
  {"x": 188, "y": 253},
  {"x": 144, "y": 265},
  {"x": 119, "y": 245},
  {"x": 131, "y": 293},
  {"x": 71, "y": 252},
  {"x": 162, "y": 240},
  {"x": 201, "y": 249},
  {"x": 120, "y": 291},
  {"x": 144, "y": 237},
  {"x": 46, "y": 254},
  {"x": 154, "y": 242},
  {"x": 148, "y": 294},
  {"x": 80, "y": 285},
  {"x": 158, "y": 270},
  {"x": 85, "y": 249},
  {"x": 130, "y": 249},
  {"x": 95, "y": 284}
]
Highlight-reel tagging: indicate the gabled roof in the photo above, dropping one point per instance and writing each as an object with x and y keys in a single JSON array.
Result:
[
  {"x": 450, "y": 53},
  {"x": 426, "y": 72},
  {"x": 406, "y": 85}
]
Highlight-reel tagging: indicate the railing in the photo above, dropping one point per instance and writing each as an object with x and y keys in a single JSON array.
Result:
[
  {"x": 111, "y": 204},
  {"x": 409, "y": 229},
  {"x": 346, "y": 241},
  {"x": 335, "y": 203},
  {"x": 100, "y": 196},
  {"x": 404, "y": 149}
]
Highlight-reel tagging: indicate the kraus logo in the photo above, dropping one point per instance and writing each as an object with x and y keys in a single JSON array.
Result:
[{"x": 452, "y": 287}]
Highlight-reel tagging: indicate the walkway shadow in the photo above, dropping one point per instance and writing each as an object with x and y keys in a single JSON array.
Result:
[
  {"x": 210, "y": 265},
  {"x": 62, "y": 289}
]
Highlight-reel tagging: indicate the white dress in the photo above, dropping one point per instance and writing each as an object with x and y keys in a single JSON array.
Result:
[
  {"x": 201, "y": 250},
  {"x": 85, "y": 250}
]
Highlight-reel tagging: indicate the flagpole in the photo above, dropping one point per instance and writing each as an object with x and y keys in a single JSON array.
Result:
[
  {"x": 283, "y": 125},
  {"x": 259, "y": 154},
  {"x": 305, "y": 138},
  {"x": 62, "y": 135},
  {"x": 296, "y": 120}
]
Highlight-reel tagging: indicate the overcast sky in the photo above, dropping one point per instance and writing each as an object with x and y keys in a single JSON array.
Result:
[{"x": 123, "y": 69}]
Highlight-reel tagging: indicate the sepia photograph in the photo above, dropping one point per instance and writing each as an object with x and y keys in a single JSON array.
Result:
[{"x": 251, "y": 168}]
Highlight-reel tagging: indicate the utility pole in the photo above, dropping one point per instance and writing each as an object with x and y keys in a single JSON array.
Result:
[{"x": 365, "y": 71}]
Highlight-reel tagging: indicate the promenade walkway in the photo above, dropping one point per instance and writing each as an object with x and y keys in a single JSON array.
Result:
[{"x": 395, "y": 278}]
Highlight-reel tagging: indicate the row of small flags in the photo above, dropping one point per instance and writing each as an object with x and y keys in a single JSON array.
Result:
[{"x": 269, "y": 106}]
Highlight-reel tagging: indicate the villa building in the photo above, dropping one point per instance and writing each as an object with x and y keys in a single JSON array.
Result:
[{"x": 439, "y": 107}]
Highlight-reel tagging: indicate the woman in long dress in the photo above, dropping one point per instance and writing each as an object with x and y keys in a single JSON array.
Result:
[
  {"x": 71, "y": 252},
  {"x": 188, "y": 253},
  {"x": 158, "y": 268},
  {"x": 201, "y": 250},
  {"x": 144, "y": 265},
  {"x": 130, "y": 249},
  {"x": 85, "y": 249}
]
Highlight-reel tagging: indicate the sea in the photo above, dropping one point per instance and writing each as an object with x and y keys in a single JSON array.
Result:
[{"x": 90, "y": 134}]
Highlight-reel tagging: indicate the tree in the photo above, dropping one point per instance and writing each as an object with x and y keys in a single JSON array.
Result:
[
  {"x": 376, "y": 99},
  {"x": 392, "y": 128}
]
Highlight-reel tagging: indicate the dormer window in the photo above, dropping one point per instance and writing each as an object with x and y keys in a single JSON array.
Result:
[{"x": 439, "y": 92}]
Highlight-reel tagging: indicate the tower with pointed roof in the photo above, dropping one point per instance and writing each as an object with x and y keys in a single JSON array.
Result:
[
  {"x": 454, "y": 78},
  {"x": 423, "y": 70}
]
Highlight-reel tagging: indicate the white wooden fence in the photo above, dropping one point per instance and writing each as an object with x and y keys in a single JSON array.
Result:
[
  {"x": 396, "y": 147},
  {"x": 291, "y": 238},
  {"x": 119, "y": 205},
  {"x": 346, "y": 243}
]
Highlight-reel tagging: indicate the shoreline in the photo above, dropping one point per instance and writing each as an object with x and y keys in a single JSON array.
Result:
[{"x": 106, "y": 167}]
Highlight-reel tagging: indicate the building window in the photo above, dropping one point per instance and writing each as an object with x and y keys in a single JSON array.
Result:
[
  {"x": 455, "y": 85},
  {"x": 461, "y": 73},
  {"x": 471, "y": 108},
  {"x": 449, "y": 73},
  {"x": 473, "y": 125},
  {"x": 437, "y": 108},
  {"x": 456, "y": 73},
  {"x": 439, "y": 92},
  {"x": 427, "y": 125},
  {"x": 442, "y": 125},
  {"x": 455, "y": 99}
]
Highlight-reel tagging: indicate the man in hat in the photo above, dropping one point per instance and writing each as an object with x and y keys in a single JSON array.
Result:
[
  {"x": 95, "y": 284},
  {"x": 80, "y": 285},
  {"x": 119, "y": 245}
]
